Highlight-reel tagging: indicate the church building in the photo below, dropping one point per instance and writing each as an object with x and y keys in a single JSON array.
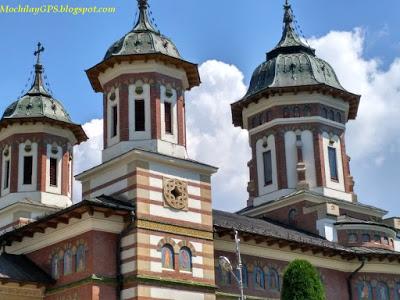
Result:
[{"x": 145, "y": 228}]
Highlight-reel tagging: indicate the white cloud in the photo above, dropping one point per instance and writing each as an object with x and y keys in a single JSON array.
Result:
[
  {"x": 88, "y": 154},
  {"x": 377, "y": 123}
]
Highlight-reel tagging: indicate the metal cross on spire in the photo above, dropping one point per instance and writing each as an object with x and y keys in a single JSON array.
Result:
[
  {"x": 143, "y": 4},
  {"x": 39, "y": 50}
]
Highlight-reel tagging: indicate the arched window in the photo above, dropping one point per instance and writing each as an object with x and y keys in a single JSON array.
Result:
[
  {"x": 185, "y": 259},
  {"x": 224, "y": 277},
  {"x": 292, "y": 216},
  {"x": 377, "y": 238},
  {"x": 352, "y": 238},
  {"x": 67, "y": 262},
  {"x": 245, "y": 276},
  {"x": 331, "y": 115},
  {"x": 263, "y": 118},
  {"x": 338, "y": 117},
  {"x": 167, "y": 257},
  {"x": 273, "y": 279},
  {"x": 386, "y": 240},
  {"x": 55, "y": 266},
  {"x": 364, "y": 291},
  {"x": 259, "y": 278},
  {"x": 80, "y": 261},
  {"x": 307, "y": 111},
  {"x": 269, "y": 116},
  {"x": 366, "y": 238},
  {"x": 286, "y": 112},
  {"x": 382, "y": 291},
  {"x": 324, "y": 113}
]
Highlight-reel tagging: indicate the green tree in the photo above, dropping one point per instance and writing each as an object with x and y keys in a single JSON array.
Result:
[{"x": 302, "y": 282}]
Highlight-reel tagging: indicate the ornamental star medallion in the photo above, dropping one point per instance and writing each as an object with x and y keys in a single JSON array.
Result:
[{"x": 175, "y": 194}]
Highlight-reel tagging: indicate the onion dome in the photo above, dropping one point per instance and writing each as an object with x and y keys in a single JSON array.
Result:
[
  {"x": 143, "y": 38},
  {"x": 38, "y": 104},
  {"x": 293, "y": 66},
  {"x": 143, "y": 43}
]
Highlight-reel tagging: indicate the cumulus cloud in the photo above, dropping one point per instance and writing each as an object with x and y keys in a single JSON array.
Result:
[
  {"x": 88, "y": 154},
  {"x": 377, "y": 123}
]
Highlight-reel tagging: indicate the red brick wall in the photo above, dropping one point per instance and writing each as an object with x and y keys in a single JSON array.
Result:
[
  {"x": 85, "y": 292},
  {"x": 100, "y": 256},
  {"x": 305, "y": 222}
]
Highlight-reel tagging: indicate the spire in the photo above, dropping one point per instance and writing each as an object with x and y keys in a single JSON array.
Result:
[
  {"x": 290, "y": 40},
  {"x": 143, "y": 23},
  {"x": 37, "y": 86}
]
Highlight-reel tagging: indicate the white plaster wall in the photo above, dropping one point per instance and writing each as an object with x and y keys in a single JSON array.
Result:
[
  {"x": 21, "y": 154},
  {"x": 161, "y": 293},
  {"x": 397, "y": 245},
  {"x": 260, "y": 149},
  {"x": 332, "y": 184},
  {"x": 110, "y": 104},
  {"x": 133, "y": 134},
  {"x": 172, "y": 138},
  {"x": 327, "y": 229},
  {"x": 129, "y": 293},
  {"x": 5, "y": 191},
  {"x": 58, "y": 156},
  {"x": 309, "y": 157},
  {"x": 291, "y": 158},
  {"x": 41, "y": 197}
]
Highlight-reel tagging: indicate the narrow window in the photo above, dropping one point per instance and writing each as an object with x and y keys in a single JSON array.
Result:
[
  {"x": 168, "y": 117},
  {"x": 139, "y": 115},
  {"x": 167, "y": 257},
  {"x": 333, "y": 163},
  {"x": 331, "y": 115},
  {"x": 114, "y": 120},
  {"x": 366, "y": 238},
  {"x": 267, "y": 167},
  {"x": 377, "y": 238},
  {"x": 7, "y": 175},
  {"x": 185, "y": 259},
  {"x": 53, "y": 171},
  {"x": 28, "y": 161}
]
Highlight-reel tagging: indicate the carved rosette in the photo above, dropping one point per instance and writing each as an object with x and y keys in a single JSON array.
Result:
[{"x": 175, "y": 194}]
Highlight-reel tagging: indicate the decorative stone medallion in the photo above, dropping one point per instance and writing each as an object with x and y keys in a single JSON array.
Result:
[{"x": 175, "y": 194}]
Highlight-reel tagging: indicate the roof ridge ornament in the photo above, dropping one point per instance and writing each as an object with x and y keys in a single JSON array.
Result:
[
  {"x": 143, "y": 23},
  {"x": 37, "y": 86}
]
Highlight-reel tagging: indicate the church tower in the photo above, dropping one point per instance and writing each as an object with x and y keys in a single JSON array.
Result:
[
  {"x": 296, "y": 113},
  {"x": 143, "y": 79},
  {"x": 167, "y": 250},
  {"x": 36, "y": 145}
]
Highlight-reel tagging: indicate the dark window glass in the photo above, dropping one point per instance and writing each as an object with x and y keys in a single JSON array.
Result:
[
  {"x": 139, "y": 115},
  {"x": 267, "y": 167},
  {"x": 28, "y": 161},
  {"x": 292, "y": 216},
  {"x": 377, "y": 238},
  {"x": 168, "y": 117},
  {"x": 114, "y": 120},
  {"x": 286, "y": 112},
  {"x": 332, "y": 115},
  {"x": 338, "y": 117},
  {"x": 366, "y": 238},
  {"x": 307, "y": 111},
  {"x": 333, "y": 163},
  {"x": 7, "y": 175},
  {"x": 325, "y": 113},
  {"x": 53, "y": 171},
  {"x": 296, "y": 112},
  {"x": 385, "y": 240}
]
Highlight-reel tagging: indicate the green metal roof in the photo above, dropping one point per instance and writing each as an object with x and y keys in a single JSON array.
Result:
[
  {"x": 37, "y": 102},
  {"x": 143, "y": 39},
  {"x": 292, "y": 63}
]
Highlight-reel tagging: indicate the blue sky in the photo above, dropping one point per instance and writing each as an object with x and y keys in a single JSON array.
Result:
[{"x": 231, "y": 31}]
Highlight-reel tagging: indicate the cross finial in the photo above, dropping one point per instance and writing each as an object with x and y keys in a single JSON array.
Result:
[{"x": 39, "y": 50}]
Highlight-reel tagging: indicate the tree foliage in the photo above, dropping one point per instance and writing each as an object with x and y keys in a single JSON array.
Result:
[{"x": 301, "y": 281}]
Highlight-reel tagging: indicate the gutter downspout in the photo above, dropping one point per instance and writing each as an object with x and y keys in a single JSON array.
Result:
[
  {"x": 120, "y": 280},
  {"x": 350, "y": 278}
]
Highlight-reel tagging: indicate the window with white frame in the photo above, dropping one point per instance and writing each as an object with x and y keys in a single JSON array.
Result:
[
  {"x": 333, "y": 163},
  {"x": 6, "y": 169},
  {"x": 53, "y": 168},
  {"x": 27, "y": 167}
]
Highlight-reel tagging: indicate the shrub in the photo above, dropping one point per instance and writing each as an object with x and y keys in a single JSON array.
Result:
[{"x": 302, "y": 282}]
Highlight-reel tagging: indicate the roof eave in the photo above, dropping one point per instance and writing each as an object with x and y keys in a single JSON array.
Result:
[
  {"x": 191, "y": 69},
  {"x": 237, "y": 107}
]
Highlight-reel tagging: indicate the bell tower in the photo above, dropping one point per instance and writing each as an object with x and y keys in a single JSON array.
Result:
[
  {"x": 167, "y": 251},
  {"x": 296, "y": 113},
  {"x": 143, "y": 79},
  {"x": 37, "y": 137}
]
